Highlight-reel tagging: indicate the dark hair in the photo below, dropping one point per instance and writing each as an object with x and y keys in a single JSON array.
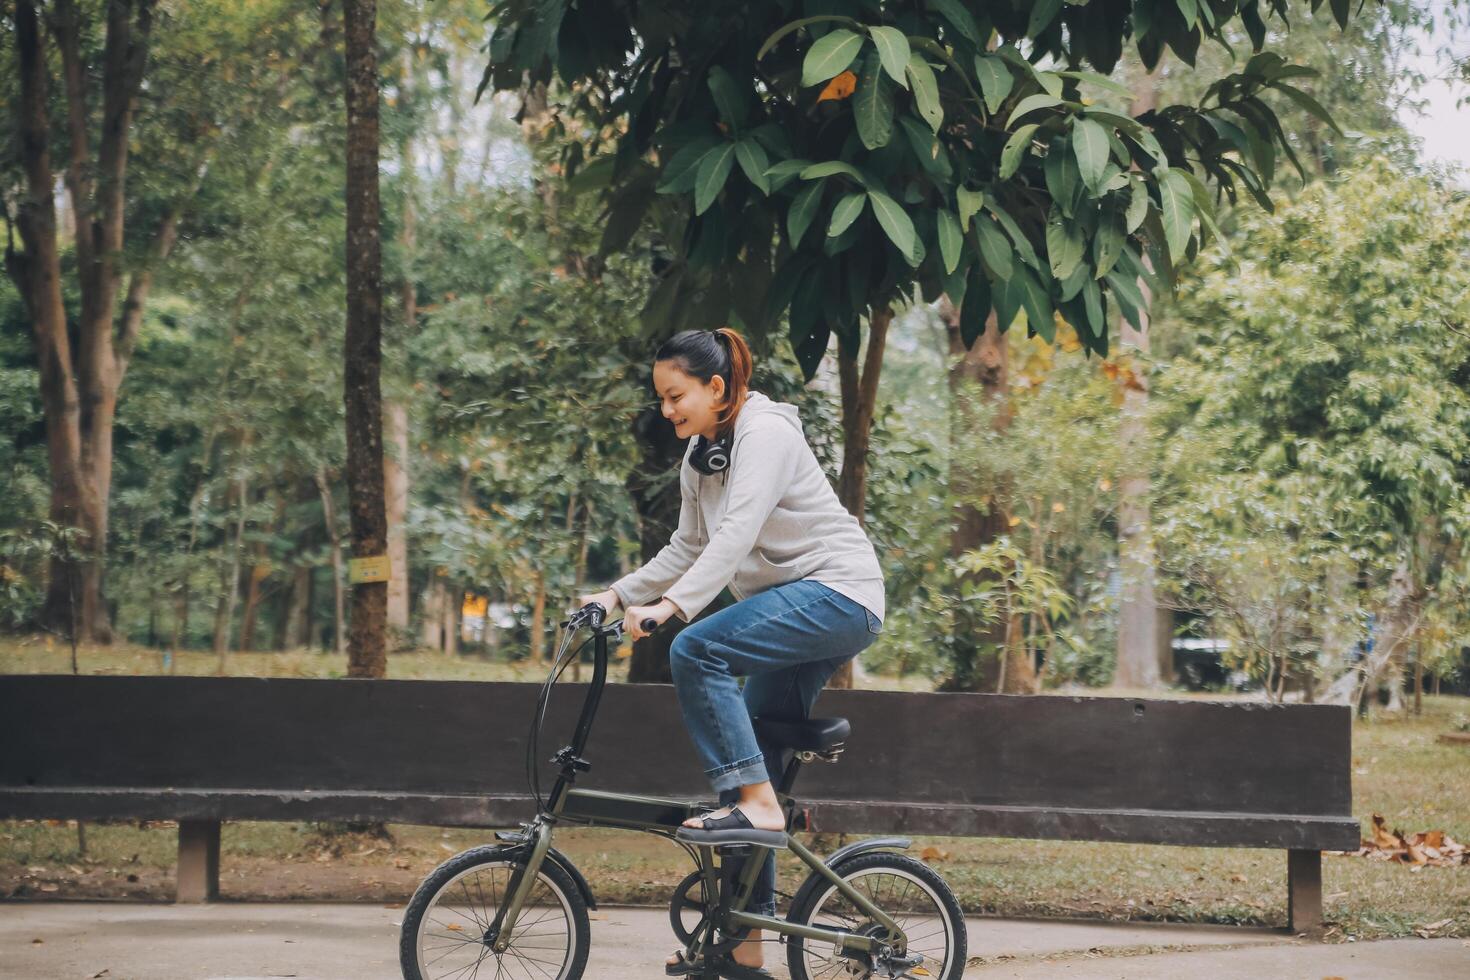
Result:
[{"x": 703, "y": 354}]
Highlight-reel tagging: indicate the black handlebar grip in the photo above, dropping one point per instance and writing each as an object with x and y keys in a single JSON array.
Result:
[{"x": 649, "y": 625}]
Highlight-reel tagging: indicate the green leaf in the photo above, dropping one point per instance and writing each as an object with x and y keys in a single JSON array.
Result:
[
  {"x": 1043, "y": 12},
  {"x": 1306, "y": 102},
  {"x": 1189, "y": 10},
  {"x": 714, "y": 168},
  {"x": 1063, "y": 178},
  {"x": 1064, "y": 244},
  {"x": 797, "y": 25},
  {"x": 782, "y": 173},
  {"x": 950, "y": 239},
  {"x": 846, "y": 212},
  {"x": 753, "y": 160},
  {"x": 1101, "y": 81},
  {"x": 1015, "y": 150},
  {"x": 996, "y": 80},
  {"x": 1107, "y": 242},
  {"x": 960, "y": 18},
  {"x": 1125, "y": 290},
  {"x": 896, "y": 223},
  {"x": 926, "y": 147},
  {"x": 1039, "y": 312},
  {"x": 1007, "y": 299},
  {"x": 678, "y": 175},
  {"x": 1022, "y": 243},
  {"x": 1092, "y": 298},
  {"x": 995, "y": 248},
  {"x": 1176, "y": 210},
  {"x": 1090, "y": 143},
  {"x": 926, "y": 90},
  {"x": 893, "y": 49},
  {"x": 969, "y": 202},
  {"x": 728, "y": 97},
  {"x": 1137, "y": 205},
  {"x": 872, "y": 104},
  {"x": 975, "y": 309},
  {"x": 830, "y": 56},
  {"x": 803, "y": 209},
  {"x": 1030, "y": 104},
  {"x": 831, "y": 167}
]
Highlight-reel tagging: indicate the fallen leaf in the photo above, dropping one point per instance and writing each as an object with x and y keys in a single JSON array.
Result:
[
  {"x": 37, "y": 941},
  {"x": 455, "y": 927}
]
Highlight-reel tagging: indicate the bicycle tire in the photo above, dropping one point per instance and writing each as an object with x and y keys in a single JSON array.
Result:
[
  {"x": 810, "y": 901},
  {"x": 558, "y": 884}
]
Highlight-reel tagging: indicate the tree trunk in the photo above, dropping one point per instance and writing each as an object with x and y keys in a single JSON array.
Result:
[
  {"x": 978, "y": 383},
  {"x": 538, "y": 617},
  {"x": 432, "y": 607},
  {"x": 362, "y": 346},
  {"x": 1138, "y": 616},
  {"x": 329, "y": 517},
  {"x": 656, "y": 502},
  {"x": 1397, "y": 624},
  {"x": 395, "y": 476},
  {"x": 230, "y": 584},
  {"x": 453, "y": 600},
  {"x": 859, "y": 402},
  {"x": 298, "y": 616}
]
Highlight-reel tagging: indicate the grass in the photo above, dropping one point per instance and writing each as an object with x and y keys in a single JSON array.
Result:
[{"x": 1399, "y": 771}]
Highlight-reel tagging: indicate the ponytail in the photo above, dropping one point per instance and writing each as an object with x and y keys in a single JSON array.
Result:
[{"x": 703, "y": 354}]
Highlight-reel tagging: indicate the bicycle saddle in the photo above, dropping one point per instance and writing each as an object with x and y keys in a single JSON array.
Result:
[{"x": 802, "y": 734}]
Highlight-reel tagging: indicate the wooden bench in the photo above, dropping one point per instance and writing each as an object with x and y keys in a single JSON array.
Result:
[{"x": 200, "y": 750}]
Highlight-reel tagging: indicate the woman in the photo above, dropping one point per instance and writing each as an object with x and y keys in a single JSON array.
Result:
[{"x": 757, "y": 514}]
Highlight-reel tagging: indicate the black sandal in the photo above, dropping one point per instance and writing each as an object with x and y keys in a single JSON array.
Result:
[
  {"x": 734, "y": 828},
  {"x": 730, "y": 969}
]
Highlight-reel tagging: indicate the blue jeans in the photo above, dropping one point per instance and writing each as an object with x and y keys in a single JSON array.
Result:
[{"x": 786, "y": 641}]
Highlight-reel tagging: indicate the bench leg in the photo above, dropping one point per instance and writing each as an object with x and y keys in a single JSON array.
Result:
[
  {"x": 197, "y": 879},
  {"x": 1304, "y": 891}
]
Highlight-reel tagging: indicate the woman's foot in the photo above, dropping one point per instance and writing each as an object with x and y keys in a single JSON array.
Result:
[
  {"x": 761, "y": 808},
  {"x": 750, "y": 953}
]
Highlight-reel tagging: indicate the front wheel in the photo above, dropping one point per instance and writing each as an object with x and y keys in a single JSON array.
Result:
[
  {"x": 445, "y": 923},
  {"x": 910, "y": 891}
]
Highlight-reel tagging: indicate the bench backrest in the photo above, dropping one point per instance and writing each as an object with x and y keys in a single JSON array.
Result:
[{"x": 907, "y": 750}]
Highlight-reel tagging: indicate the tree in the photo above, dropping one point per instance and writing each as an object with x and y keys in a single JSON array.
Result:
[
  {"x": 131, "y": 169},
  {"x": 1321, "y": 423},
  {"x": 362, "y": 345}
]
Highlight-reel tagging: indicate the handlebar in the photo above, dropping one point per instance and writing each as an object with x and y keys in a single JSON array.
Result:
[{"x": 594, "y": 614}]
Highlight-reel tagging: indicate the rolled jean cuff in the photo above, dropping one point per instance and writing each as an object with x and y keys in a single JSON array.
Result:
[{"x": 747, "y": 772}]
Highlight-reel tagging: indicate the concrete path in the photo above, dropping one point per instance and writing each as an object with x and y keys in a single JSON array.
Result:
[{"x": 228, "y": 941}]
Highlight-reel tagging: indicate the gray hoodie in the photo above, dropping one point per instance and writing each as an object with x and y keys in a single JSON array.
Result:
[{"x": 770, "y": 519}]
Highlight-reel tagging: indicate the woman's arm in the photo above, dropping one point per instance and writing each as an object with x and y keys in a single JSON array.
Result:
[
  {"x": 664, "y": 568},
  {"x": 759, "y": 476}
]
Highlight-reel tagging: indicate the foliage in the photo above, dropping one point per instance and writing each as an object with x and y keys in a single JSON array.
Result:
[
  {"x": 829, "y": 157},
  {"x": 1322, "y": 416}
]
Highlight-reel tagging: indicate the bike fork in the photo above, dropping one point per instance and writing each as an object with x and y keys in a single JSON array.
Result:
[{"x": 519, "y": 888}]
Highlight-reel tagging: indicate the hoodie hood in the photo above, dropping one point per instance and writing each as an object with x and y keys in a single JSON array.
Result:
[{"x": 758, "y": 404}]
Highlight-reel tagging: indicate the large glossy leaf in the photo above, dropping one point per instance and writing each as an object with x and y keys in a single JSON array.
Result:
[
  {"x": 1107, "y": 241},
  {"x": 1018, "y": 238},
  {"x": 950, "y": 239},
  {"x": 831, "y": 53},
  {"x": 893, "y": 50},
  {"x": 1064, "y": 244},
  {"x": 828, "y": 168},
  {"x": 1176, "y": 211},
  {"x": 729, "y": 99},
  {"x": 896, "y": 223},
  {"x": 797, "y": 25},
  {"x": 803, "y": 210},
  {"x": 845, "y": 213},
  {"x": 872, "y": 104},
  {"x": 996, "y": 80},
  {"x": 975, "y": 309},
  {"x": 995, "y": 247},
  {"x": 968, "y": 203},
  {"x": 714, "y": 168},
  {"x": 1015, "y": 150},
  {"x": 961, "y": 19},
  {"x": 1090, "y": 143},
  {"x": 1030, "y": 104},
  {"x": 753, "y": 160},
  {"x": 1043, "y": 12},
  {"x": 1137, "y": 205},
  {"x": 926, "y": 90}
]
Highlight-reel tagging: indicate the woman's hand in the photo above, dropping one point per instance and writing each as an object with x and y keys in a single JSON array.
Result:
[
  {"x": 633, "y": 619},
  {"x": 607, "y": 598}
]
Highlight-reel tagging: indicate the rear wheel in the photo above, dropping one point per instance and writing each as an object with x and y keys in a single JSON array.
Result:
[
  {"x": 445, "y": 923},
  {"x": 910, "y": 891}
]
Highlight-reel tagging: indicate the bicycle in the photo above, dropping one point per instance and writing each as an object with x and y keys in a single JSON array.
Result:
[{"x": 519, "y": 907}]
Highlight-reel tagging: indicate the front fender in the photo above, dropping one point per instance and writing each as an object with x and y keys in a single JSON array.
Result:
[{"x": 520, "y": 840}]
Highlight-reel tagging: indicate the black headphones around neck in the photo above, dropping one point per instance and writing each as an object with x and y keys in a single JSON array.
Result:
[{"x": 710, "y": 458}]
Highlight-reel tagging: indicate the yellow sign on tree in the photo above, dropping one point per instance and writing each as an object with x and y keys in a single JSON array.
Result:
[{"x": 373, "y": 568}]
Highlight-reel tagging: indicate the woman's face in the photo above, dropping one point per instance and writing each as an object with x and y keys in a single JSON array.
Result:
[{"x": 692, "y": 405}]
